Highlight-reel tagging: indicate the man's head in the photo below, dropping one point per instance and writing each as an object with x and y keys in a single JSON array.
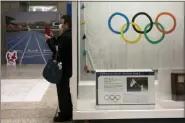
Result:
[{"x": 66, "y": 23}]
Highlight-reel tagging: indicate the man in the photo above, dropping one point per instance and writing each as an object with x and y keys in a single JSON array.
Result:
[{"x": 64, "y": 43}]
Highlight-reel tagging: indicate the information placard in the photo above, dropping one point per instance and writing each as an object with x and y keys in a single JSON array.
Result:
[{"x": 125, "y": 87}]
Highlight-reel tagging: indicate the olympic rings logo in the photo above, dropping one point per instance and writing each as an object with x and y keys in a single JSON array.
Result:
[
  {"x": 147, "y": 28},
  {"x": 114, "y": 98}
]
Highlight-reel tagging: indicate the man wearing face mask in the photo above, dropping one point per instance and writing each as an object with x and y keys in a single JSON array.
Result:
[{"x": 64, "y": 43}]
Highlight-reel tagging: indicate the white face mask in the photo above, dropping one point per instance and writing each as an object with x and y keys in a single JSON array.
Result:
[{"x": 60, "y": 26}]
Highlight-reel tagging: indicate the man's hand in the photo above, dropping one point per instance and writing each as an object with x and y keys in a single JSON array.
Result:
[
  {"x": 47, "y": 37},
  {"x": 51, "y": 33}
]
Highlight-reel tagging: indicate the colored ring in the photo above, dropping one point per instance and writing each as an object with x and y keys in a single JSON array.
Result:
[
  {"x": 129, "y": 41},
  {"x": 157, "y": 41},
  {"x": 174, "y": 20},
  {"x": 110, "y": 19},
  {"x": 150, "y": 19}
]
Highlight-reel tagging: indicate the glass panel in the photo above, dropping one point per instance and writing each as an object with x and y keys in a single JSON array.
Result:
[{"x": 132, "y": 54}]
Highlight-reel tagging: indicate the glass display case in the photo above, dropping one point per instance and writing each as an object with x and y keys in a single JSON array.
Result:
[{"x": 130, "y": 60}]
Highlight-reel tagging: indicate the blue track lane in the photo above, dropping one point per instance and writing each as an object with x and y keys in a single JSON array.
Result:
[{"x": 30, "y": 46}]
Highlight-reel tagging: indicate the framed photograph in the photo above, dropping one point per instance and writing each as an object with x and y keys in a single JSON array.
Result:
[
  {"x": 178, "y": 87},
  {"x": 137, "y": 84}
]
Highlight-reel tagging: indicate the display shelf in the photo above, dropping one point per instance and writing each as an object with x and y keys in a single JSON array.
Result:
[
  {"x": 164, "y": 92},
  {"x": 171, "y": 104},
  {"x": 87, "y": 90},
  {"x": 87, "y": 110}
]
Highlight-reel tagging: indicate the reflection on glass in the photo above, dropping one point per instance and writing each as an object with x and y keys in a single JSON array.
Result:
[{"x": 133, "y": 53}]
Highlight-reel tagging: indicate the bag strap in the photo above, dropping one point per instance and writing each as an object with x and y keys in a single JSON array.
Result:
[{"x": 55, "y": 58}]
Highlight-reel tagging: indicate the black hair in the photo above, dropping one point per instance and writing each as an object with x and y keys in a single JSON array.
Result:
[{"x": 67, "y": 20}]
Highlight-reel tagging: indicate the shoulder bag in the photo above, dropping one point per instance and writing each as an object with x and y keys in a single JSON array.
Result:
[{"x": 53, "y": 70}]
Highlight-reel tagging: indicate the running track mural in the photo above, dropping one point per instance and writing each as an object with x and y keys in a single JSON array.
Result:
[
  {"x": 25, "y": 34},
  {"x": 30, "y": 46}
]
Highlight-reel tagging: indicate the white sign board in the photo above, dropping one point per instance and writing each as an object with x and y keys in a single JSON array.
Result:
[
  {"x": 125, "y": 87},
  {"x": 11, "y": 58}
]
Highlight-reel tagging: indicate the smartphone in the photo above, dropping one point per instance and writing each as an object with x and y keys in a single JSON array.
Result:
[{"x": 48, "y": 31}]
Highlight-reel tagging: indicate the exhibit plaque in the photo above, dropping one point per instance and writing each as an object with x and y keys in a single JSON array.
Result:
[
  {"x": 178, "y": 89},
  {"x": 125, "y": 88}
]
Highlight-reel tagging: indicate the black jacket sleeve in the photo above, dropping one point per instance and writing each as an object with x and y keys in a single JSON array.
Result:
[
  {"x": 64, "y": 44},
  {"x": 65, "y": 54},
  {"x": 51, "y": 44}
]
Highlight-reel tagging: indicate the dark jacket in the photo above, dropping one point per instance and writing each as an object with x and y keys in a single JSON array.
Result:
[{"x": 64, "y": 42}]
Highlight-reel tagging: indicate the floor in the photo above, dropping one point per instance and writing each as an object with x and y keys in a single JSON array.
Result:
[
  {"x": 23, "y": 90},
  {"x": 20, "y": 104},
  {"x": 22, "y": 72},
  {"x": 36, "y": 111},
  {"x": 25, "y": 96}
]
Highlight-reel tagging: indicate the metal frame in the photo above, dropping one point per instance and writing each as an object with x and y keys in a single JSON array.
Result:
[
  {"x": 74, "y": 78},
  {"x": 74, "y": 85},
  {"x": 184, "y": 51}
]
